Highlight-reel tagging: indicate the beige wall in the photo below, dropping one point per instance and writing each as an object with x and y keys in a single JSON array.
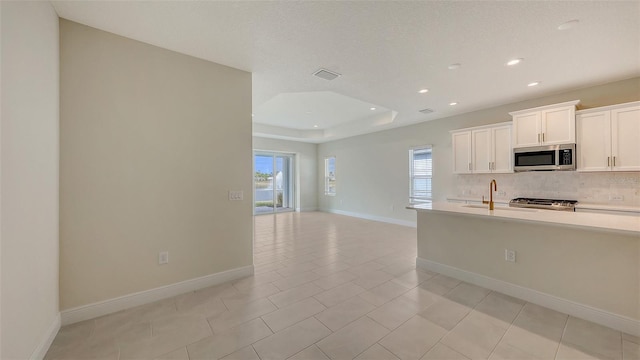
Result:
[
  {"x": 372, "y": 170},
  {"x": 29, "y": 180},
  {"x": 599, "y": 269},
  {"x": 306, "y": 176},
  {"x": 151, "y": 143}
]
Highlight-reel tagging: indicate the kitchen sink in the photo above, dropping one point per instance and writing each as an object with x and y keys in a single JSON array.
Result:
[{"x": 498, "y": 208}]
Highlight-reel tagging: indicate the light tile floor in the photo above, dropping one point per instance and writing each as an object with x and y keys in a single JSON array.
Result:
[{"x": 334, "y": 287}]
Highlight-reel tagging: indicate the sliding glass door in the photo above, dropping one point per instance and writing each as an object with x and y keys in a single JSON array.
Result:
[{"x": 273, "y": 182}]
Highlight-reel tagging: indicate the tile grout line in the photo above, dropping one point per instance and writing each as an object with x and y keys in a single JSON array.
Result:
[
  {"x": 508, "y": 327},
  {"x": 254, "y": 350},
  {"x": 564, "y": 329},
  {"x": 394, "y": 354}
]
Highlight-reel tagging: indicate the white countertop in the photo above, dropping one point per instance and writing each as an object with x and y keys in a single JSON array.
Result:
[
  {"x": 605, "y": 207},
  {"x": 624, "y": 224},
  {"x": 579, "y": 205},
  {"x": 477, "y": 199}
]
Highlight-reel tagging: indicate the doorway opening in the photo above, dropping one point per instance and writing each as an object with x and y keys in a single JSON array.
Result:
[{"x": 273, "y": 182}]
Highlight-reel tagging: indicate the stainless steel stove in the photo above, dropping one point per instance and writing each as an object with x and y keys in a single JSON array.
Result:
[{"x": 547, "y": 204}]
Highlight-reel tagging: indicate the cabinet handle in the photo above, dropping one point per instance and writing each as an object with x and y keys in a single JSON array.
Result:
[
  {"x": 538, "y": 137},
  {"x": 614, "y": 161},
  {"x": 489, "y": 165},
  {"x": 469, "y": 166},
  {"x": 608, "y": 161},
  {"x": 542, "y": 137}
]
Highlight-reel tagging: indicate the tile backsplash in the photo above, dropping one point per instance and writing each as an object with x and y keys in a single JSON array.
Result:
[{"x": 612, "y": 188}]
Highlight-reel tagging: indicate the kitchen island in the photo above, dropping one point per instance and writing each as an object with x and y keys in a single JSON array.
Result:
[{"x": 583, "y": 264}]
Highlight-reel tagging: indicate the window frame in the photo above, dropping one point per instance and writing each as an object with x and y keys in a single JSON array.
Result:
[
  {"x": 412, "y": 198},
  {"x": 328, "y": 177}
]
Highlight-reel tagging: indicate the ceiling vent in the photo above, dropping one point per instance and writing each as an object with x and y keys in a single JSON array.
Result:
[
  {"x": 426, "y": 111},
  {"x": 326, "y": 74}
]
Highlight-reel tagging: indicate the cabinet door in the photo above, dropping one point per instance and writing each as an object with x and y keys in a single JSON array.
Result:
[
  {"x": 558, "y": 126},
  {"x": 461, "y": 144},
  {"x": 593, "y": 145},
  {"x": 526, "y": 129},
  {"x": 502, "y": 152},
  {"x": 625, "y": 139},
  {"x": 481, "y": 151}
]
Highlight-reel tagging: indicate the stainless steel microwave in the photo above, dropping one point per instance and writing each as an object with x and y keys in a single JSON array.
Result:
[{"x": 541, "y": 158}]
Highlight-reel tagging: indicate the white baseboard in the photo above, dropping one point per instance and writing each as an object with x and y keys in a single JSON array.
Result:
[
  {"x": 602, "y": 317},
  {"x": 372, "y": 217},
  {"x": 105, "y": 307},
  {"x": 306, "y": 209},
  {"x": 47, "y": 340}
]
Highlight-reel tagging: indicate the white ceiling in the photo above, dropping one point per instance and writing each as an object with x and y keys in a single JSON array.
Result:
[{"x": 386, "y": 52}]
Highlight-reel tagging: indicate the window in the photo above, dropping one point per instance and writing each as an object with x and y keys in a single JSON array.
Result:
[
  {"x": 330, "y": 175},
  {"x": 420, "y": 173}
]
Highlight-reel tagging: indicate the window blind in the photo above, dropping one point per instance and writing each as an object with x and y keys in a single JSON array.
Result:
[{"x": 420, "y": 174}]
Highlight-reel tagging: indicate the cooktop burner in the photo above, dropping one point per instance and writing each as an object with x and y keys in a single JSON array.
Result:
[{"x": 549, "y": 204}]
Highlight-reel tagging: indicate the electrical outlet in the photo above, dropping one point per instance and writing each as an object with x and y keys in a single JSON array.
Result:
[
  {"x": 163, "y": 257},
  {"x": 509, "y": 255},
  {"x": 235, "y": 195},
  {"x": 616, "y": 197}
]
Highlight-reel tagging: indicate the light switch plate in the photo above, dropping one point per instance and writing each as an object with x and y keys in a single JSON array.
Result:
[
  {"x": 236, "y": 195},
  {"x": 509, "y": 255},
  {"x": 163, "y": 257}
]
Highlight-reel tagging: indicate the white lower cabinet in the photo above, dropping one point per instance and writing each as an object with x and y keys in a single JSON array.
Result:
[
  {"x": 485, "y": 149},
  {"x": 607, "y": 138}
]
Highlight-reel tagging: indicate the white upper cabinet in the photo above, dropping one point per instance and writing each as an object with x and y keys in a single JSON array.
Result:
[
  {"x": 593, "y": 147},
  {"x": 625, "y": 139},
  {"x": 502, "y": 151},
  {"x": 527, "y": 131},
  {"x": 608, "y": 138},
  {"x": 483, "y": 149},
  {"x": 461, "y": 143},
  {"x": 545, "y": 125}
]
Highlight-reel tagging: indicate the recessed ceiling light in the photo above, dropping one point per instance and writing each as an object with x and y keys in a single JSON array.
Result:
[
  {"x": 568, "y": 24},
  {"x": 453, "y": 103},
  {"x": 315, "y": 126},
  {"x": 535, "y": 83},
  {"x": 372, "y": 108},
  {"x": 423, "y": 91},
  {"x": 454, "y": 66},
  {"x": 514, "y": 62}
]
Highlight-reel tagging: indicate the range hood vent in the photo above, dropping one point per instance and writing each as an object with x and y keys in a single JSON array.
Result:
[
  {"x": 426, "y": 111},
  {"x": 326, "y": 74}
]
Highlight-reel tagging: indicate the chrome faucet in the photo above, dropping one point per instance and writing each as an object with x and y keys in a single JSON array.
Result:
[{"x": 491, "y": 190}]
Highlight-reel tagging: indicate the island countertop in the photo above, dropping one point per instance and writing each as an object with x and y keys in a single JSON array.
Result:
[{"x": 623, "y": 224}]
